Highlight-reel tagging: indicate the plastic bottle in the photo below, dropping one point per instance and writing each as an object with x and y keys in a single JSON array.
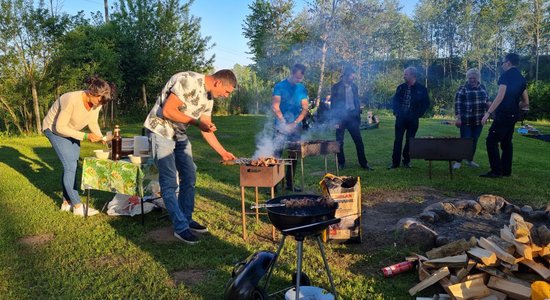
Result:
[{"x": 116, "y": 144}]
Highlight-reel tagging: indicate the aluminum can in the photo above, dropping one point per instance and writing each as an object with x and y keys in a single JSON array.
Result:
[{"x": 397, "y": 268}]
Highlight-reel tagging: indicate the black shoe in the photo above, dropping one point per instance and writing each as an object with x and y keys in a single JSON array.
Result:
[
  {"x": 407, "y": 165},
  {"x": 392, "y": 166},
  {"x": 367, "y": 167},
  {"x": 297, "y": 190},
  {"x": 341, "y": 166},
  {"x": 489, "y": 175},
  {"x": 186, "y": 236},
  {"x": 197, "y": 228}
]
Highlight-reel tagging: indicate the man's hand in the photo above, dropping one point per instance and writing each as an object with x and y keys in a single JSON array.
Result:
[
  {"x": 207, "y": 126},
  {"x": 458, "y": 122},
  {"x": 485, "y": 118},
  {"x": 228, "y": 156},
  {"x": 92, "y": 137}
]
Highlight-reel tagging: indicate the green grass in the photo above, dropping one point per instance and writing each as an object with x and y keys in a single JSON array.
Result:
[{"x": 109, "y": 257}]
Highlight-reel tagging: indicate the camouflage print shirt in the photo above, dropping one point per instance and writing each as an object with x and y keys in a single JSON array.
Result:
[{"x": 189, "y": 88}]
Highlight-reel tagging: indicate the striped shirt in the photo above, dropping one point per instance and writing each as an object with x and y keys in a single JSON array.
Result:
[{"x": 471, "y": 103}]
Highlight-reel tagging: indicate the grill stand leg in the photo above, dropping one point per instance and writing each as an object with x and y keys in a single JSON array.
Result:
[
  {"x": 326, "y": 166},
  {"x": 272, "y": 227},
  {"x": 337, "y": 167},
  {"x": 450, "y": 169},
  {"x": 257, "y": 209},
  {"x": 326, "y": 266},
  {"x": 299, "y": 248},
  {"x": 243, "y": 213},
  {"x": 302, "y": 165},
  {"x": 268, "y": 278},
  {"x": 430, "y": 169},
  {"x": 87, "y": 205}
]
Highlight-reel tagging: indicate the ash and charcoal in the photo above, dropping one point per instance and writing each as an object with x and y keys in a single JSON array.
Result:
[{"x": 447, "y": 221}]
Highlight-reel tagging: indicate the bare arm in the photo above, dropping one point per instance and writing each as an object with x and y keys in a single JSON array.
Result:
[
  {"x": 303, "y": 113},
  {"x": 171, "y": 111},
  {"x": 524, "y": 103},
  {"x": 212, "y": 140},
  {"x": 495, "y": 104},
  {"x": 276, "y": 108}
]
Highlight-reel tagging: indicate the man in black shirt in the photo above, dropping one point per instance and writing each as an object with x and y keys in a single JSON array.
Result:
[
  {"x": 346, "y": 112},
  {"x": 511, "y": 96},
  {"x": 410, "y": 102}
]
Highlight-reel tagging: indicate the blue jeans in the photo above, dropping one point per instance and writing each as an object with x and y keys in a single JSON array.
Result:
[
  {"x": 68, "y": 151},
  {"x": 177, "y": 170},
  {"x": 471, "y": 131}
]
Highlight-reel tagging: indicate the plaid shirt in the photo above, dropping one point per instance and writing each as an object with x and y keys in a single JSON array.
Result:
[{"x": 471, "y": 103}]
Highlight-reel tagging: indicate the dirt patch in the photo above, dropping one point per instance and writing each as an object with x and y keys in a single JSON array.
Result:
[
  {"x": 189, "y": 277},
  {"x": 161, "y": 235},
  {"x": 383, "y": 209},
  {"x": 36, "y": 240}
]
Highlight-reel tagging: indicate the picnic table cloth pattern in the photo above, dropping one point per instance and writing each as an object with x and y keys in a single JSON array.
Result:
[{"x": 115, "y": 176}]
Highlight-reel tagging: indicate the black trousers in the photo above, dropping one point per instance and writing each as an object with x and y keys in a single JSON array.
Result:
[
  {"x": 352, "y": 125},
  {"x": 501, "y": 132},
  {"x": 408, "y": 125}
]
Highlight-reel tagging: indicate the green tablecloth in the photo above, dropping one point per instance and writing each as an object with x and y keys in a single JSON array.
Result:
[{"x": 113, "y": 176}]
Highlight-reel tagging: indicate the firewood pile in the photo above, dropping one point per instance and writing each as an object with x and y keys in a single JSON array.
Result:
[
  {"x": 258, "y": 162},
  {"x": 496, "y": 267},
  {"x": 307, "y": 202}
]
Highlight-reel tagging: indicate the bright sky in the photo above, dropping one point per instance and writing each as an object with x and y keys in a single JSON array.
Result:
[{"x": 220, "y": 19}]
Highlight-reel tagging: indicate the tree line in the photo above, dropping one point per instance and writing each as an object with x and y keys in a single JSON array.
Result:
[
  {"x": 141, "y": 43},
  {"x": 442, "y": 38}
]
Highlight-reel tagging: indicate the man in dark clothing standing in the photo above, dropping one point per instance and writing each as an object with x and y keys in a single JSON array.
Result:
[
  {"x": 511, "y": 97},
  {"x": 410, "y": 102},
  {"x": 346, "y": 113}
]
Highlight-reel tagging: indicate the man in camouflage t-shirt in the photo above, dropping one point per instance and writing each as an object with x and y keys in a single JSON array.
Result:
[{"x": 185, "y": 100}]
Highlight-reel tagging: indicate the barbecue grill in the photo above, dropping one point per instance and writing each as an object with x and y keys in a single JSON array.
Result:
[
  {"x": 301, "y": 222},
  {"x": 443, "y": 148},
  {"x": 258, "y": 173},
  {"x": 303, "y": 149}
]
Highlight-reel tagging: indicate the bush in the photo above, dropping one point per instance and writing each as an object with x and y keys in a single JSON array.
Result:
[{"x": 539, "y": 100}]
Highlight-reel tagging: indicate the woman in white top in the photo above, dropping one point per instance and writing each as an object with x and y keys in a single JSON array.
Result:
[{"x": 63, "y": 126}]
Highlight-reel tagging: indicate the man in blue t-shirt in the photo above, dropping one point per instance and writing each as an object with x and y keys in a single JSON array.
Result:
[
  {"x": 511, "y": 97},
  {"x": 290, "y": 106}
]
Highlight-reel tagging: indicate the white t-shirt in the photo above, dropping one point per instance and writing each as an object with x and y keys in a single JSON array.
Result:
[
  {"x": 190, "y": 90},
  {"x": 68, "y": 116}
]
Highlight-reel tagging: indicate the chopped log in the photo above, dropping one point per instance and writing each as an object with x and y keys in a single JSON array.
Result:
[
  {"x": 422, "y": 272},
  {"x": 509, "y": 268},
  {"x": 519, "y": 228},
  {"x": 461, "y": 274},
  {"x": 498, "y": 273},
  {"x": 538, "y": 268},
  {"x": 450, "y": 261},
  {"x": 544, "y": 235},
  {"x": 522, "y": 249},
  {"x": 501, "y": 254},
  {"x": 545, "y": 251},
  {"x": 483, "y": 276},
  {"x": 450, "y": 249},
  {"x": 487, "y": 257},
  {"x": 469, "y": 289},
  {"x": 435, "y": 277},
  {"x": 502, "y": 244},
  {"x": 471, "y": 265},
  {"x": 510, "y": 288}
]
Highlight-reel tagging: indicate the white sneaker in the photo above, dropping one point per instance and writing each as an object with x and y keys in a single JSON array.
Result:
[
  {"x": 79, "y": 211},
  {"x": 456, "y": 165},
  {"x": 473, "y": 164},
  {"x": 65, "y": 206}
]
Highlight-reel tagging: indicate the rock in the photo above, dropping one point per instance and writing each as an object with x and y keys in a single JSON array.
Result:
[
  {"x": 537, "y": 215},
  {"x": 444, "y": 210},
  {"x": 414, "y": 233},
  {"x": 526, "y": 210},
  {"x": 468, "y": 206},
  {"x": 491, "y": 204},
  {"x": 431, "y": 217},
  {"x": 511, "y": 208},
  {"x": 442, "y": 240}
]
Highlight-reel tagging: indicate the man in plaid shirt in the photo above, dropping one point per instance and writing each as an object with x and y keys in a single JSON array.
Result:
[{"x": 470, "y": 105}]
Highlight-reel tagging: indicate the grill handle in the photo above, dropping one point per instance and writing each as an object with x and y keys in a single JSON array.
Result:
[{"x": 312, "y": 225}]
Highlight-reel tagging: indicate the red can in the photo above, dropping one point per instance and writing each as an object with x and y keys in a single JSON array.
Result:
[{"x": 397, "y": 268}]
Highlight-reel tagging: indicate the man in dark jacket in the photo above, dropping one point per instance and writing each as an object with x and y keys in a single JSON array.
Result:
[
  {"x": 346, "y": 112},
  {"x": 410, "y": 102}
]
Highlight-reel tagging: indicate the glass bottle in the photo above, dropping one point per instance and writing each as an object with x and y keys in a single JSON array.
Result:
[{"x": 116, "y": 144}]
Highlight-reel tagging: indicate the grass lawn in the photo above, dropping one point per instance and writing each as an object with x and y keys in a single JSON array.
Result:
[{"x": 45, "y": 253}]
